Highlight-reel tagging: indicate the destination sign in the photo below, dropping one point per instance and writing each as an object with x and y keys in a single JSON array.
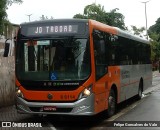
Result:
[{"x": 55, "y": 29}]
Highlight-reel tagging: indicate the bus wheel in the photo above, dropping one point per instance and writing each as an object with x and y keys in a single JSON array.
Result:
[
  {"x": 111, "y": 103},
  {"x": 140, "y": 90}
]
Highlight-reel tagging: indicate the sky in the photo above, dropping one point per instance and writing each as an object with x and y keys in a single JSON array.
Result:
[{"x": 133, "y": 10}]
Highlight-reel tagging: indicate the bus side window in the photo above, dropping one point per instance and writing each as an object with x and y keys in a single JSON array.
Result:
[{"x": 112, "y": 49}]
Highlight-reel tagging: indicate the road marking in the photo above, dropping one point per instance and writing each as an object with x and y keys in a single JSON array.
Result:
[
  {"x": 122, "y": 112},
  {"x": 49, "y": 124},
  {"x": 125, "y": 110},
  {"x": 119, "y": 114}
]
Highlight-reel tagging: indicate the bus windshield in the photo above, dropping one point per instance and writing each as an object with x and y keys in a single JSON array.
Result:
[{"x": 53, "y": 59}]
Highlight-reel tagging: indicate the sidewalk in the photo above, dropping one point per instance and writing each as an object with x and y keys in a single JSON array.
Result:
[{"x": 153, "y": 87}]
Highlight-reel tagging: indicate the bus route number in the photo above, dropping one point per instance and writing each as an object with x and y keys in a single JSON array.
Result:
[{"x": 67, "y": 97}]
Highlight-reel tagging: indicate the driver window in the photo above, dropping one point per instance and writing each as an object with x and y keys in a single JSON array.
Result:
[
  {"x": 99, "y": 53},
  {"x": 36, "y": 56}
]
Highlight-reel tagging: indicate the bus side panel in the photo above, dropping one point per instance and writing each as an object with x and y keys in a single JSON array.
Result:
[
  {"x": 114, "y": 79},
  {"x": 147, "y": 81},
  {"x": 101, "y": 94},
  {"x": 103, "y": 86},
  {"x": 125, "y": 81},
  {"x": 130, "y": 79}
]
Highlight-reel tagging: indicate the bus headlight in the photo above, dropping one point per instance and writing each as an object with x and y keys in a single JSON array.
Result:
[
  {"x": 19, "y": 93},
  {"x": 86, "y": 92}
]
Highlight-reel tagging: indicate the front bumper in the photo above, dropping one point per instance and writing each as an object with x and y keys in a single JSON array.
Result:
[{"x": 84, "y": 106}]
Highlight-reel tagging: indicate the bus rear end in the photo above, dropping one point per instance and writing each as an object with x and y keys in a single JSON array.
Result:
[{"x": 53, "y": 68}]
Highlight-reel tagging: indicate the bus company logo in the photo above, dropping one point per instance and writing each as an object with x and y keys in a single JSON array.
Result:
[
  {"x": 6, "y": 124},
  {"x": 49, "y": 96},
  {"x": 52, "y": 84},
  {"x": 48, "y": 84}
]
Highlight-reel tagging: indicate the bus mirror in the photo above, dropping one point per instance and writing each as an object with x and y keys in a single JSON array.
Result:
[
  {"x": 15, "y": 40},
  {"x": 6, "y": 48}
]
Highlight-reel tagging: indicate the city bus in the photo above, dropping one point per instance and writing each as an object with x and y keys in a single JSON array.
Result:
[{"x": 78, "y": 67}]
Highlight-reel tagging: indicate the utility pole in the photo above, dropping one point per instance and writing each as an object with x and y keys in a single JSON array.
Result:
[
  {"x": 145, "y": 3},
  {"x": 29, "y": 16}
]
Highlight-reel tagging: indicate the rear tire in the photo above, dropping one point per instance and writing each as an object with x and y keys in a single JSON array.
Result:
[
  {"x": 111, "y": 103},
  {"x": 140, "y": 90}
]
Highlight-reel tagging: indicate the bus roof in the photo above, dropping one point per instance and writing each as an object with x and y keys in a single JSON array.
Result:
[
  {"x": 55, "y": 20},
  {"x": 117, "y": 31},
  {"x": 131, "y": 36}
]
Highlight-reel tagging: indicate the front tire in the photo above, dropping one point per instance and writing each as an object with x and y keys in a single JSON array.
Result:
[{"x": 111, "y": 103}]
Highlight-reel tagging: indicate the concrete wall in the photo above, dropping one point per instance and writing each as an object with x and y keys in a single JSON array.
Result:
[{"x": 7, "y": 81}]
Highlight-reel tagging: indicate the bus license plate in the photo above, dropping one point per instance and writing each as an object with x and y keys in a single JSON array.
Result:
[{"x": 49, "y": 108}]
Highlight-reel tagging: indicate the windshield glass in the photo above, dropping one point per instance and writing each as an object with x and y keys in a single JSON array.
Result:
[{"x": 53, "y": 59}]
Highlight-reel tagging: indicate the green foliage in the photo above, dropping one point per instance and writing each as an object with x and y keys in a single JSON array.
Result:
[
  {"x": 3, "y": 15},
  {"x": 154, "y": 34},
  {"x": 156, "y": 27},
  {"x": 80, "y": 16},
  {"x": 10, "y": 2},
  {"x": 155, "y": 46},
  {"x": 138, "y": 31},
  {"x": 115, "y": 19},
  {"x": 97, "y": 12}
]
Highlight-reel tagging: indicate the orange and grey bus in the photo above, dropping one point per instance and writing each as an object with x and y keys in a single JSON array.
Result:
[{"x": 78, "y": 67}]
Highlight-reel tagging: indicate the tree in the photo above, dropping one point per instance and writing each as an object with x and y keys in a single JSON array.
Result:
[
  {"x": 138, "y": 31},
  {"x": 156, "y": 27},
  {"x": 92, "y": 11},
  {"x": 115, "y": 19},
  {"x": 155, "y": 47},
  {"x": 3, "y": 15},
  {"x": 97, "y": 12},
  {"x": 10, "y": 2},
  {"x": 154, "y": 34}
]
